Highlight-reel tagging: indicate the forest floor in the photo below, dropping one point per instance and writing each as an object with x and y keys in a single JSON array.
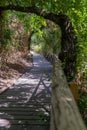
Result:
[{"x": 13, "y": 69}]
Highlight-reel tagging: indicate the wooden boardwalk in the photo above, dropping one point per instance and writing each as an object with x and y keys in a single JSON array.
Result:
[{"x": 26, "y": 105}]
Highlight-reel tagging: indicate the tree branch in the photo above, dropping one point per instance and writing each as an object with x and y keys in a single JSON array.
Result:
[
  {"x": 51, "y": 16},
  {"x": 18, "y": 8},
  {"x": 68, "y": 39}
]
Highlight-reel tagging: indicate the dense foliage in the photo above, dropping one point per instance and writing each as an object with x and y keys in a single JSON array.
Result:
[
  {"x": 40, "y": 31},
  {"x": 75, "y": 9}
]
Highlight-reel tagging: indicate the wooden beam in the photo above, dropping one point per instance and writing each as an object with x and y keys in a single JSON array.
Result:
[{"x": 65, "y": 114}]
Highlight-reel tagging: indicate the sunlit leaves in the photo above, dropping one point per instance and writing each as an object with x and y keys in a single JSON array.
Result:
[
  {"x": 75, "y": 9},
  {"x": 37, "y": 24}
]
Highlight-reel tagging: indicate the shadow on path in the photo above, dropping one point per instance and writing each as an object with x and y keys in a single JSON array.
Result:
[{"x": 26, "y": 105}]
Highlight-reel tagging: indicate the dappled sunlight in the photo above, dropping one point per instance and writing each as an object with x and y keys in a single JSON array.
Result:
[
  {"x": 12, "y": 97},
  {"x": 4, "y": 104},
  {"x": 4, "y": 123},
  {"x": 66, "y": 99},
  {"x": 42, "y": 64},
  {"x": 6, "y": 115},
  {"x": 28, "y": 101}
]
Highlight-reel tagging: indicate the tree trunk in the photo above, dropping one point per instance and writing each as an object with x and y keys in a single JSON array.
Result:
[
  {"x": 1, "y": 26},
  {"x": 29, "y": 40},
  {"x": 68, "y": 54}
]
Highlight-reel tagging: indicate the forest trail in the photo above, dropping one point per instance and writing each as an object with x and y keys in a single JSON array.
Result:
[{"x": 26, "y": 105}]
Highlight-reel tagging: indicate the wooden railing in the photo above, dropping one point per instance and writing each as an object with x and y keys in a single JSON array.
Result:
[
  {"x": 64, "y": 114},
  {"x": 50, "y": 57}
]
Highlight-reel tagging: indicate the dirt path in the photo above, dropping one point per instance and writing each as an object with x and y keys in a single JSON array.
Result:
[
  {"x": 13, "y": 69},
  {"x": 26, "y": 105}
]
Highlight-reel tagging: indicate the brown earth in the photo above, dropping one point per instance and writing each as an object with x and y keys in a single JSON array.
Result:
[{"x": 13, "y": 69}]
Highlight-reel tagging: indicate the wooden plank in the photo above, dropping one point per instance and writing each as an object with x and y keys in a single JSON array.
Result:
[
  {"x": 65, "y": 114},
  {"x": 22, "y": 106},
  {"x": 28, "y": 122},
  {"x": 25, "y": 101},
  {"x": 29, "y": 127},
  {"x": 25, "y": 113},
  {"x": 19, "y": 109},
  {"x": 22, "y": 117}
]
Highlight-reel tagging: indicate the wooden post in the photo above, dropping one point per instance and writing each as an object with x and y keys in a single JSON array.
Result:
[
  {"x": 65, "y": 114},
  {"x": 74, "y": 89}
]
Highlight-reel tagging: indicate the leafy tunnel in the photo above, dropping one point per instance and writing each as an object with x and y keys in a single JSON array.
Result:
[{"x": 68, "y": 53}]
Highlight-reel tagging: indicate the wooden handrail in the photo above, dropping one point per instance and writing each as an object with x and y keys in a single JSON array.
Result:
[{"x": 64, "y": 114}]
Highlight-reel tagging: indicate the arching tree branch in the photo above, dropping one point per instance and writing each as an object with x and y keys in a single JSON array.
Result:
[
  {"x": 33, "y": 9},
  {"x": 68, "y": 42},
  {"x": 20, "y": 8}
]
